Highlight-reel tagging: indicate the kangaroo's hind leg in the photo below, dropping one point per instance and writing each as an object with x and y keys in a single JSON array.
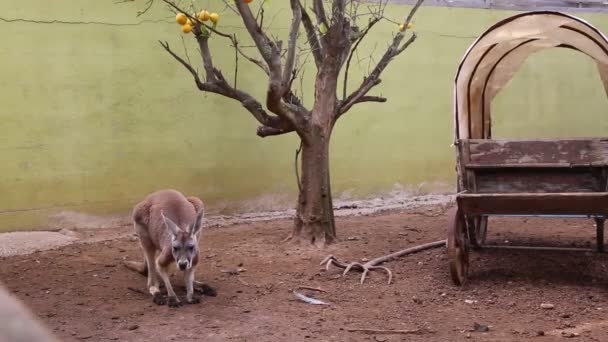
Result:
[{"x": 149, "y": 255}]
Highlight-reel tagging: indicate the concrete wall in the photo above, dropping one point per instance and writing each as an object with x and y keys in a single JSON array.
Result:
[{"x": 95, "y": 114}]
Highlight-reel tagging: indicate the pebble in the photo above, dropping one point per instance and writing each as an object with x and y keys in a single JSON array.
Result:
[
  {"x": 480, "y": 327},
  {"x": 133, "y": 327},
  {"x": 547, "y": 306},
  {"x": 380, "y": 339},
  {"x": 569, "y": 334}
]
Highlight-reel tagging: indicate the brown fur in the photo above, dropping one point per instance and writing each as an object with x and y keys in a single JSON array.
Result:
[{"x": 157, "y": 240}]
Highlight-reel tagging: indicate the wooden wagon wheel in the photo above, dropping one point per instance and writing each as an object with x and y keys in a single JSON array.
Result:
[
  {"x": 458, "y": 254},
  {"x": 478, "y": 230}
]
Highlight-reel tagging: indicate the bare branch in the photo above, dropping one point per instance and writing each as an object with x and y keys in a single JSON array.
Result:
[
  {"x": 271, "y": 53},
  {"x": 291, "y": 45},
  {"x": 371, "y": 99},
  {"x": 338, "y": 8},
  {"x": 221, "y": 87},
  {"x": 203, "y": 43},
  {"x": 149, "y": 4},
  {"x": 313, "y": 39},
  {"x": 371, "y": 24},
  {"x": 257, "y": 62},
  {"x": 266, "y": 131},
  {"x": 319, "y": 11},
  {"x": 186, "y": 65},
  {"x": 374, "y": 77},
  {"x": 266, "y": 47}
]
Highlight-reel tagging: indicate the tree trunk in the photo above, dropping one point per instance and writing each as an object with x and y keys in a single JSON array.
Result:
[{"x": 314, "y": 221}]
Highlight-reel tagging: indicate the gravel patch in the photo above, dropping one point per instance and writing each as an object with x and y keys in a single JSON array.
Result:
[{"x": 21, "y": 243}]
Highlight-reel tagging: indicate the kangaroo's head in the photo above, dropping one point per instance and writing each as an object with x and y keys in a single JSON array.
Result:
[{"x": 184, "y": 241}]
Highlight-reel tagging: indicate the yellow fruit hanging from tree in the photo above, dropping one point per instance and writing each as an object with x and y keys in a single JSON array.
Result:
[
  {"x": 214, "y": 17},
  {"x": 181, "y": 18}
]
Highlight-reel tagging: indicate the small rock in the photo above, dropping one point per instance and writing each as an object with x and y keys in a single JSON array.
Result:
[
  {"x": 569, "y": 334},
  {"x": 547, "y": 306},
  {"x": 540, "y": 333},
  {"x": 469, "y": 301},
  {"x": 480, "y": 327},
  {"x": 133, "y": 327},
  {"x": 416, "y": 300},
  {"x": 565, "y": 315},
  {"x": 380, "y": 338}
]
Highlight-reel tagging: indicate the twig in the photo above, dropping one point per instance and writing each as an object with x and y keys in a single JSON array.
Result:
[
  {"x": 148, "y": 6},
  {"x": 311, "y": 288},
  {"x": 309, "y": 300},
  {"x": 371, "y": 24},
  {"x": 385, "y": 331},
  {"x": 373, "y": 264},
  {"x": 242, "y": 282},
  {"x": 137, "y": 290}
]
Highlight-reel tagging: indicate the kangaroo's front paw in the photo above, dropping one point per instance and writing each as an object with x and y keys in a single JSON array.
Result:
[
  {"x": 194, "y": 300},
  {"x": 174, "y": 302},
  {"x": 159, "y": 299}
]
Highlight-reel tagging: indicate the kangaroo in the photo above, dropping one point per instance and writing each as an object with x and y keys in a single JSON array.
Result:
[{"x": 168, "y": 225}]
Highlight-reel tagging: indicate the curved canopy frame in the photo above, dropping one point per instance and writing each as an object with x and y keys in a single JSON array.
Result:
[{"x": 492, "y": 60}]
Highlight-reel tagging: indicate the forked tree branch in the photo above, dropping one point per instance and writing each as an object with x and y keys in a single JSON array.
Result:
[
  {"x": 373, "y": 79},
  {"x": 270, "y": 124},
  {"x": 371, "y": 24},
  {"x": 271, "y": 53}
]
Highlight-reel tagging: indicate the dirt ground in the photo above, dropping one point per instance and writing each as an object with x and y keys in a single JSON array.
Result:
[{"x": 83, "y": 292}]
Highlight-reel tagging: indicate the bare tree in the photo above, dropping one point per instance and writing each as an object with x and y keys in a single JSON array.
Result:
[{"x": 331, "y": 38}]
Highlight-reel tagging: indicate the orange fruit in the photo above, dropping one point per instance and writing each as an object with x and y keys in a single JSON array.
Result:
[
  {"x": 181, "y": 18},
  {"x": 214, "y": 17},
  {"x": 186, "y": 28},
  {"x": 402, "y": 27},
  {"x": 203, "y": 16},
  {"x": 247, "y": 1}
]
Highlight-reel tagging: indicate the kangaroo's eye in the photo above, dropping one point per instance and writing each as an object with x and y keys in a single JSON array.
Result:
[
  {"x": 175, "y": 249},
  {"x": 190, "y": 248}
]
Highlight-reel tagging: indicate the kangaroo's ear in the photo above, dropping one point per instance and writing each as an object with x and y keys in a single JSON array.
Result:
[
  {"x": 198, "y": 224},
  {"x": 171, "y": 226}
]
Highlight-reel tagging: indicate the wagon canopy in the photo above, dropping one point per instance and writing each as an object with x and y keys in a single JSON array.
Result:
[{"x": 492, "y": 60}]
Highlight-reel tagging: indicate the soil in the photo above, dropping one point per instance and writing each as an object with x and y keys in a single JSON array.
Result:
[{"x": 83, "y": 292}]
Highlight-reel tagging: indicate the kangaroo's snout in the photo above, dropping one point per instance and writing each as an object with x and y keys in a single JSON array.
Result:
[{"x": 182, "y": 265}]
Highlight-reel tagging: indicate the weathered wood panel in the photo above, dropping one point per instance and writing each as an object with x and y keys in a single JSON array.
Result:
[
  {"x": 530, "y": 5},
  {"x": 550, "y": 180},
  {"x": 535, "y": 203},
  {"x": 562, "y": 153}
]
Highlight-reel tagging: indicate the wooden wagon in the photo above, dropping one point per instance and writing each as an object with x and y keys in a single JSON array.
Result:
[{"x": 557, "y": 177}]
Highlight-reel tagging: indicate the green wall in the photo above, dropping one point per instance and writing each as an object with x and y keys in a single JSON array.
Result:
[{"x": 95, "y": 114}]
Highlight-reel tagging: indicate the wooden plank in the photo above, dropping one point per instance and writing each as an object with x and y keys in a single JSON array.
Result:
[
  {"x": 533, "y": 165},
  {"x": 538, "y": 180},
  {"x": 562, "y": 152},
  {"x": 534, "y": 203}
]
